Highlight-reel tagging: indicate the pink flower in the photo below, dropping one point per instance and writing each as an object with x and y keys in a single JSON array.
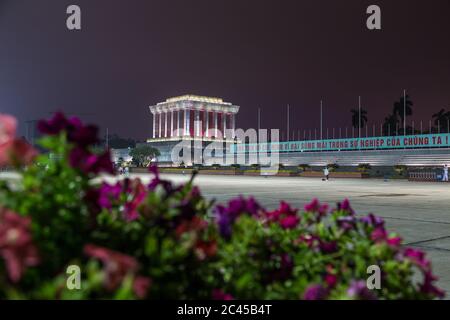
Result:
[
  {"x": 316, "y": 207},
  {"x": 17, "y": 153},
  {"x": 328, "y": 247},
  {"x": 345, "y": 206},
  {"x": 109, "y": 194},
  {"x": 285, "y": 215},
  {"x": 394, "y": 241},
  {"x": 429, "y": 288},
  {"x": 13, "y": 151},
  {"x": 331, "y": 280},
  {"x": 138, "y": 194},
  {"x": 307, "y": 239},
  {"x": 205, "y": 249},
  {"x": 141, "y": 285},
  {"x": 218, "y": 294},
  {"x": 289, "y": 222},
  {"x": 196, "y": 224},
  {"x": 379, "y": 235},
  {"x": 116, "y": 265},
  {"x": 358, "y": 290},
  {"x": 418, "y": 258},
  {"x": 315, "y": 292},
  {"x": 16, "y": 244},
  {"x": 8, "y": 125}
]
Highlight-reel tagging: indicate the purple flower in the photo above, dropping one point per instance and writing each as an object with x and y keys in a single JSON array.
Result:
[
  {"x": 418, "y": 258},
  {"x": 289, "y": 222},
  {"x": 358, "y": 290},
  {"x": 284, "y": 268},
  {"x": 55, "y": 125},
  {"x": 224, "y": 220},
  {"x": 345, "y": 206},
  {"x": 346, "y": 223},
  {"x": 394, "y": 241},
  {"x": 157, "y": 181},
  {"x": 286, "y": 216},
  {"x": 379, "y": 235},
  {"x": 188, "y": 206},
  {"x": 316, "y": 207},
  {"x": 219, "y": 294},
  {"x": 225, "y": 216},
  {"x": 429, "y": 288},
  {"x": 331, "y": 280},
  {"x": 87, "y": 162},
  {"x": 242, "y": 205},
  {"x": 84, "y": 135},
  {"x": 109, "y": 193},
  {"x": 315, "y": 292},
  {"x": 328, "y": 247},
  {"x": 77, "y": 133},
  {"x": 131, "y": 213},
  {"x": 373, "y": 221}
]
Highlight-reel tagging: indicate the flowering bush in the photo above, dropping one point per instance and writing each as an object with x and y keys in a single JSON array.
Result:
[{"x": 156, "y": 241}]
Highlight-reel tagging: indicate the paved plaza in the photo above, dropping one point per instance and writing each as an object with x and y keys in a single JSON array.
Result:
[{"x": 419, "y": 212}]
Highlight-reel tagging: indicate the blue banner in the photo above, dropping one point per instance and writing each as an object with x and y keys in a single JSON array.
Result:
[{"x": 372, "y": 143}]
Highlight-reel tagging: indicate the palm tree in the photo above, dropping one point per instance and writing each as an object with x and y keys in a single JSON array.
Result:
[
  {"x": 441, "y": 119},
  {"x": 355, "y": 118},
  {"x": 400, "y": 108},
  {"x": 389, "y": 124}
]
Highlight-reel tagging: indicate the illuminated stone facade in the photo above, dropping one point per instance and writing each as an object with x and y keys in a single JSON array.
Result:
[{"x": 193, "y": 117}]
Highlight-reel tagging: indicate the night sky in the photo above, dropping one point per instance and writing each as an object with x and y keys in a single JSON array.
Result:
[{"x": 134, "y": 53}]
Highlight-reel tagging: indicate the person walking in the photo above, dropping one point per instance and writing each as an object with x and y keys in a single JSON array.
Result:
[
  {"x": 326, "y": 173},
  {"x": 445, "y": 177}
]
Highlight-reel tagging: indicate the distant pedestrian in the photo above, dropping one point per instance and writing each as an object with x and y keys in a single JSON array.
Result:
[
  {"x": 326, "y": 173},
  {"x": 445, "y": 178},
  {"x": 127, "y": 171}
]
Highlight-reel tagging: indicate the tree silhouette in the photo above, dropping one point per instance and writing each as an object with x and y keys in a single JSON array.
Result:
[
  {"x": 441, "y": 119},
  {"x": 400, "y": 108},
  {"x": 389, "y": 124},
  {"x": 143, "y": 154},
  {"x": 355, "y": 118}
]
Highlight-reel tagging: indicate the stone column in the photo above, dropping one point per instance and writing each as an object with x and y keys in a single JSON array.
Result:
[
  {"x": 186, "y": 122},
  {"x": 197, "y": 123},
  {"x": 215, "y": 124},
  {"x": 171, "y": 123},
  {"x": 160, "y": 125},
  {"x": 165, "y": 123},
  {"x": 154, "y": 124},
  {"x": 207, "y": 123},
  {"x": 178, "y": 124},
  {"x": 233, "y": 123},
  {"x": 224, "y": 122}
]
